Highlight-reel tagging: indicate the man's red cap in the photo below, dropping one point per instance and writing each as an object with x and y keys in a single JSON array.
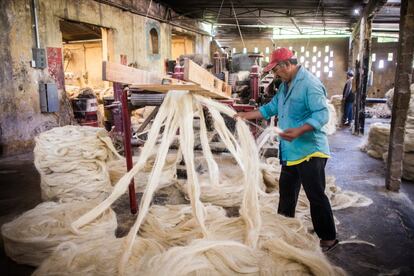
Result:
[{"x": 278, "y": 55}]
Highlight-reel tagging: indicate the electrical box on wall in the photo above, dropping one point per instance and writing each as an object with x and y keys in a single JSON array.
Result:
[
  {"x": 39, "y": 58},
  {"x": 49, "y": 99}
]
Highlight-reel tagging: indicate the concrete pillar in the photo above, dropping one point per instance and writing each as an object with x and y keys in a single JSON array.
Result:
[{"x": 402, "y": 95}]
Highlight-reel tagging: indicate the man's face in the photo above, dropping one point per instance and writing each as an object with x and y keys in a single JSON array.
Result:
[{"x": 282, "y": 70}]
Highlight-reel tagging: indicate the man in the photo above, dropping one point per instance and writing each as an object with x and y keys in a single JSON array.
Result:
[
  {"x": 300, "y": 105},
  {"x": 348, "y": 99}
]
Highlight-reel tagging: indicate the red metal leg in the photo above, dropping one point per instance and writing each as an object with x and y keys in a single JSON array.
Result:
[{"x": 126, "y": 123}]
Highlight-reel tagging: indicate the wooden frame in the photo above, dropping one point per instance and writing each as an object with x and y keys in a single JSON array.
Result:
[{"x": 200, "y": 81}]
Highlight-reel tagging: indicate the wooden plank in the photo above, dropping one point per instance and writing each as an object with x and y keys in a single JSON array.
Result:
[
  {"x": 123, "y": 74},
  {"x": 210, "y": 94},
  {"x": 195, "y": 73},
  {"x": 165, "y": 87},
  {"x": 193, "y": 88},
  {"x": 141, "y": 79},
  {"x": 104, "y": 33}
]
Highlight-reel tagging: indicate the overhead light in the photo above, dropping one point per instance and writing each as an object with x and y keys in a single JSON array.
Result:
[{"x": 356, "y": 11}]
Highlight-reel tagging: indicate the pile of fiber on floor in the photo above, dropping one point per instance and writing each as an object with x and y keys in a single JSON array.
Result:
[
  {"x": 336, "y": 101},
  {"x": 378, "y": 111},
  {"x": 378, "y": 138},
  {"x": 72, "y": 161},
  {"x": 34, "y": 235},
  {"x": 330, "y": 127},
  {"x": 117, "y": 168}
]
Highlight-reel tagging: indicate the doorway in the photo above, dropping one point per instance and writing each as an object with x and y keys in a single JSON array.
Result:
[{"x": 181, "y": 44}]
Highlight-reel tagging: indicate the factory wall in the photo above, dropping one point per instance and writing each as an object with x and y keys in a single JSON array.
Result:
[
  {"x": 336, "y": 62},
  {"x": 20, "y": 116},
  {"x": 383, "y": 67}
]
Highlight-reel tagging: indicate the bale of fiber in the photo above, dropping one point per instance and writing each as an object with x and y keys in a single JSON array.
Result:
[{"x": 72, "y": 161}]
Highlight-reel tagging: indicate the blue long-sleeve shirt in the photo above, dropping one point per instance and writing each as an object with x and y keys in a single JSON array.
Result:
[{"x": 303, "y": 102}]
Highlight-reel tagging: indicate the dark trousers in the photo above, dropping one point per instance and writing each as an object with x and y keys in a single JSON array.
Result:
[
  {"x": 312, "y": 176},
  {"x": 348, "y": 112}
]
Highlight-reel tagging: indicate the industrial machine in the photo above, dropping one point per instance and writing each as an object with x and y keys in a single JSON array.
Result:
[
  {"x": 85, "y": 109},
  {"x": 242, "y": 71},
  {"x": 197, "y": 79}
]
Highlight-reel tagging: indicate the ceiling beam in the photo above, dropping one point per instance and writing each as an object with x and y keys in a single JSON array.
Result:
[
  {"x": 369, "y": 11},
  {"x": 275, "y": 6},
  {"x": 292, "y": 19}
]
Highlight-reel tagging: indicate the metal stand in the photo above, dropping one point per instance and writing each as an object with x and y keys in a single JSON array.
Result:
[{"x": 122, "y": 95}]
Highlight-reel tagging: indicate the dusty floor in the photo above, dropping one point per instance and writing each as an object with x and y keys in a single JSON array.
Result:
[{"x": 388, "y": 222}]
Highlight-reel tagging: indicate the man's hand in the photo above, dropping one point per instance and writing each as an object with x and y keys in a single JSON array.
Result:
[
  {"x": 251, "y": 115},
  {"x": 240, "y": 115},
  {"x": 292, "y": 133}
]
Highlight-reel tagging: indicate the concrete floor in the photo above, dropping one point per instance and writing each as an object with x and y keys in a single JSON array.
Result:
[{"x": 388, "y": 222}]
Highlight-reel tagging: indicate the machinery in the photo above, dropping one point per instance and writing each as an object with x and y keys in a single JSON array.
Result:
[
  {"x": 127, "y": 97},
  {"x": 241, "y": 71},
  {"x": 85, "y": 108}
]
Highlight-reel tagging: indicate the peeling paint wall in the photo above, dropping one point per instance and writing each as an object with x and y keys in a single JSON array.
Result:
[{"x": 20, "y": 116}]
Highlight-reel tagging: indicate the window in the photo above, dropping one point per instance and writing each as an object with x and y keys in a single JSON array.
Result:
[
  {"x": 244, "y": 50},
  {"x": 313, "y": 68},
  {"x": 331, "y": 53},
  {"x": 381, "y": 64},
  {"x": 307, "y": 64},
  {"x": 302, "y": 49},
  {"x": 314, "y": 59},
  {"x": 290, "y": 48},
  {"x": 267, "y": 50},
  {"x": 318, "y": 74},
  {"x": 325, "y": 69},
  {"x": 314, "y": 49},
  {"x": 267, "y": 59},
  {"x": 318, "y": 64},
  {"x": 326, "y": 48},
  {"x": 390, "y": 56},
  {"x": 330, "y": 64},
  {"x": 154, "y": 41},
  {"x": 326, "y": 59},
  {"x": 256, "y": 50},
  {"x": 374, "y": 57},
  {"x": 234, "y": 50},
  {"x": 302, "y": 59},
  {"x": 330, "y": 74},
  {"x": 319, "y": 54},
  {"x": 307, "y": 54}
]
